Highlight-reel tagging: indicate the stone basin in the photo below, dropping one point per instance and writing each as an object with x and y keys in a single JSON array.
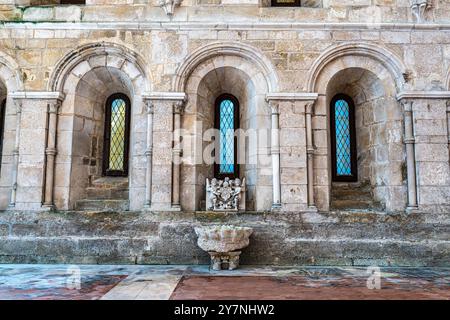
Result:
[
  {"x": 223, "y": 244},
  {"x": 223, "y": 238}
]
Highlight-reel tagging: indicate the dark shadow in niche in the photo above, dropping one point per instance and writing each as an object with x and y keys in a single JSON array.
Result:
[
  {"x": 55, "y": 2},
  {"x": 292, "y": 3}
]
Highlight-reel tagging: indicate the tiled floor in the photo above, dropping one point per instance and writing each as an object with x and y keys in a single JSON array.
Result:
[{"x": 198, "y": 282}]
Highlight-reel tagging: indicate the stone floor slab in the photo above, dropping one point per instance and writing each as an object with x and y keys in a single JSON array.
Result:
[{"x": 133, "y": 282}]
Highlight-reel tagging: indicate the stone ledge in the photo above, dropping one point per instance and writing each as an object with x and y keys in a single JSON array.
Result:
[{"x": 169, "y": 238}]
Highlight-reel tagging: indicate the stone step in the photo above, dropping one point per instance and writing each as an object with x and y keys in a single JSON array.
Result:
[
  {"x": 94, "y": 193},
  {"x": 110, "y": 183},
  {"x": 353, "y": 204},
  {"x": 351, "y": 196},
  {"x": 102, "y": 205}
]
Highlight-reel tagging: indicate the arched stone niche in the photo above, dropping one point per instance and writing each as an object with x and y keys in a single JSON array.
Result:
[
  {"x": 96, "y": 72},
  {"x": 372, "y": 77},
  {"x": 213, "y": 71}
]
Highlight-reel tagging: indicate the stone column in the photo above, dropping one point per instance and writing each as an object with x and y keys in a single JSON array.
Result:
[
  {"x": 176, "y": 152},
  {"x": 12, "y": 200},
  {"x": 310, "y": 153},
  {"x": 448, "y": 128},
  {"x": 275, "y": 152},
  {"x": 50, "y": 153},
  {"x": 410, "y": 152},
  {"x": 149, "y": 154}
]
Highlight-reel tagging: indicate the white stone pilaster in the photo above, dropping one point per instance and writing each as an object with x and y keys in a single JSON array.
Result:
[
  {"x": 50, "y": 153},
  {"x": 275, "y": 152},
  {"x": 178, "y": 108},
  {"x": 149, "y": 153},
  {"x": 409, "y": 141},
  {"x": 12, "y": 200},
  {"x": 310, "y": 154},
  {"x": 448, "y": 128}
]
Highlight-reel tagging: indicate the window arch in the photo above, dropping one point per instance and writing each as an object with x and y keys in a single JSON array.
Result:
[
  {"x": 116, "y": 136},
  {"x": 227, "y": 122},
  {"x": 343, "y": 139},
  {"x": 2, "y": 127}
]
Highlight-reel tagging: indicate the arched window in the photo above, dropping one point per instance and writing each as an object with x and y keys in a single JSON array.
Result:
[
  {"x": 343, "y": 140},
  {"x": 226, "y": 121},
  {"x": 2, "y": 127},
  {"x": 116, "y": 137}
]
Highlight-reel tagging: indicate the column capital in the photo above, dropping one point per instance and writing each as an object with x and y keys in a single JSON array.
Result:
[
  {"x": 54, "y": 105},
  {"x": 150, "y": 106},
  {"x": 178, "y": 106},
  {"x": 309, "y": 107},
  {"x": 407, "y": 104},
  {"x": 274, "y": 107},
  {"x": 18, "y": 104}
]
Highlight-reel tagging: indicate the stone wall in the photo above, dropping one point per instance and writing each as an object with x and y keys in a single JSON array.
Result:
[
  {"x": 352, "y": 239},
  {"x": 59, "y": 63}
]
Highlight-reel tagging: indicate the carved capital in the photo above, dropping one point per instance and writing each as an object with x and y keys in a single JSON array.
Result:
[
  {"x": 53, "y": 106},
  {"x": 150, "y": 106},
  {"x": 418, "y": 8},
  {"x": 309, "y": 107},
  {"x": 169, "y": 6},
  {"x": 407, "y": 105},
  {"x": 19, "y": 106},
  {"x": 178, "y": 107},
  {"x": 274, "y": 107}
]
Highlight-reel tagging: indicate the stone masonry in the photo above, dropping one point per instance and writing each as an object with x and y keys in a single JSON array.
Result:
[{"x": 59, "y": 63}]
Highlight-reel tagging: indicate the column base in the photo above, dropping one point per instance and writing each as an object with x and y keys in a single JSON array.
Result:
[
  {"x": 410, "y": 209},
  {"x": 161, "y": 209},
  {"x": 276, "y": 206},
  {"x": 48, "y": 207},
  {"x": 312, "y": 209},
  {"x": 175, "y": 207}
]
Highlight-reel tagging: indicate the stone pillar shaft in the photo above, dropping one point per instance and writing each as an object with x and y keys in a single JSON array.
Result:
[
  {"x": 177, "y": 110},
  {"x": 448, "y": 128},
  {"x": 410, "y": 153},
  {"x": 310, "y": 153},
  {"x": 275, "y": 152},
  {"x": 12, "y": 201},
  {"x": 50, "y": 153},
  {"x": 149, "y": 154}
]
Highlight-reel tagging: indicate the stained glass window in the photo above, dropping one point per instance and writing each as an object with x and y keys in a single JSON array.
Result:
[
  {"x": 342, "y": 125},
  {"x": 117, "y": 145},
  {"x": 2, "y": 126},
  {"x": 226, "y": 122},
  {"x": 116, "y": 135},
  {"x": 343, "y": 142},
  {"x": 226, "y": 136}
]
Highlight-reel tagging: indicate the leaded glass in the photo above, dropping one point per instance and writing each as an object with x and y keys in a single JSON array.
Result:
[
  {"x": 343, "y": 143},
  {"x": 117, "y": 143},
  {"x": 226, "y": 110}
]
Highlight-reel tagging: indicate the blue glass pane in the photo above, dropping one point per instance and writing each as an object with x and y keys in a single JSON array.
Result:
[
  {"x": 343, "y": 150},
  {"x": 226, "y": 136}
]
